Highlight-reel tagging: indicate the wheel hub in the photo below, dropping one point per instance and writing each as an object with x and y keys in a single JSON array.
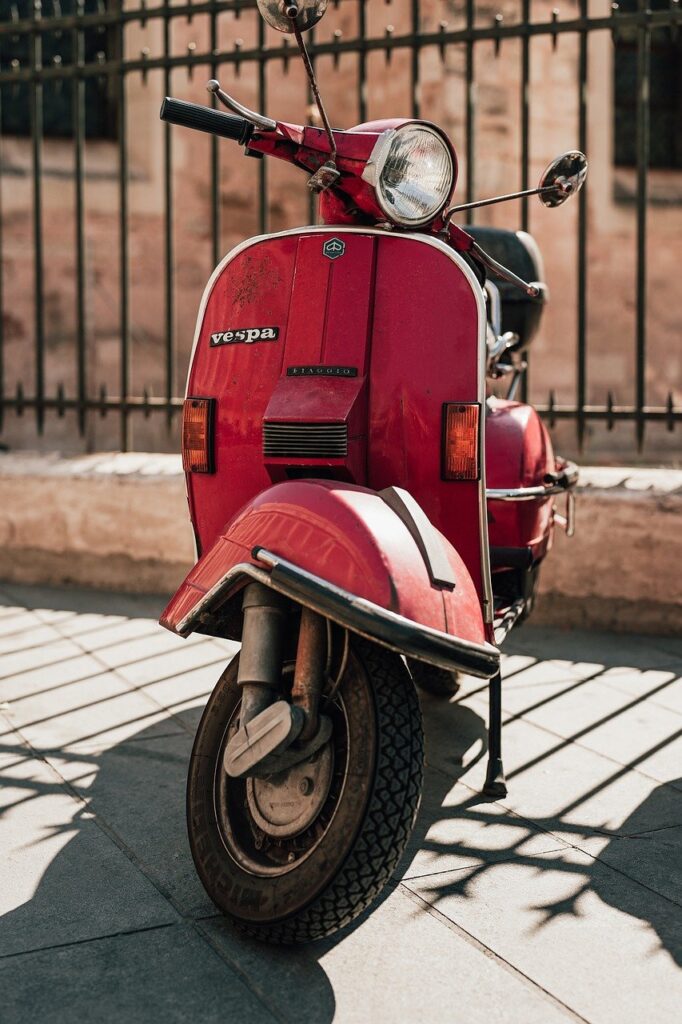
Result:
[{"x": 286, "y": 804}]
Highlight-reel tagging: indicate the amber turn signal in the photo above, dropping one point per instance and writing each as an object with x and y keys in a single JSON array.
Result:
[
  {"x": 197, "y": 435},
  {"x": 460, "y": 441}
]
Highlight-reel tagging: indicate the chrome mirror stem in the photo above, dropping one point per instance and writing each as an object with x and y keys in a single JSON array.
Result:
[{"x": 506, "y": 275}]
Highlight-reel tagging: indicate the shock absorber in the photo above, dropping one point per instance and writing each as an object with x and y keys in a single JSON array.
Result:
[
  {"x": 267, "y": 722},
  {"x": 269, "y": 725},
  {"x": 260, "y": 661}
]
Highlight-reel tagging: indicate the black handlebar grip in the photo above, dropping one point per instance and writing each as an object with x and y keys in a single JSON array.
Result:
[{"x": 205, "y": 119}]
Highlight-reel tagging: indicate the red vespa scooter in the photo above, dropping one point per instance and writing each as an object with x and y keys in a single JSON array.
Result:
[{"x": 337, "y": 436}]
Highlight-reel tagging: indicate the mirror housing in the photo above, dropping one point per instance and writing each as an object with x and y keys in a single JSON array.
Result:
[
  {"x": 284, "y": 14},
  {"x": 563, "y": 178}
]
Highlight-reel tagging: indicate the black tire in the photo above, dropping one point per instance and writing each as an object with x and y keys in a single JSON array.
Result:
[
  {"x": 360, "y": 832},
  {"x": 436, "y": 681}
]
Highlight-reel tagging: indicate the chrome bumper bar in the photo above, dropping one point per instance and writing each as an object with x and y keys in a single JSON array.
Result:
[{"x": 560, "y": 483}]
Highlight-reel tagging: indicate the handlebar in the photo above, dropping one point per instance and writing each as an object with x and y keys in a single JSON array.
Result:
[{"x": 205, "y": 119}]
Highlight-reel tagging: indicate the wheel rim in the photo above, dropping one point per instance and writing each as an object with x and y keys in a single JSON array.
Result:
[{"x": 270, "y": 842}]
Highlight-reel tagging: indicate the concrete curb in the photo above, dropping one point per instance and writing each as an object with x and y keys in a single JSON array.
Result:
[{"x": 119, "y": 522}]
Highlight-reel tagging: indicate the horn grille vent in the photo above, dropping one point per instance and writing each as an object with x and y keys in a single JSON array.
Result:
[{"x": 305, "y": 440}]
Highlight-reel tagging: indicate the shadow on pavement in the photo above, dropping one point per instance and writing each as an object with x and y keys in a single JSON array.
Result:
[{"x": 137, "y": 797}]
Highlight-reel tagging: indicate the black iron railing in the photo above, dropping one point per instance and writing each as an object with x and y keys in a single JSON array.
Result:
[{"x": 71, "y": 45}]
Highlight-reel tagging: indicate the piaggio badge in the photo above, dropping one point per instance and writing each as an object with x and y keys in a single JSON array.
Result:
[
  {"x": 322, "y": 371},
  {"x": 333, "y": 248}
]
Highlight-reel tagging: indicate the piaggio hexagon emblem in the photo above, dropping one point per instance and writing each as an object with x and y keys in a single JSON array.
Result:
[{"x": 333, "y": 248}]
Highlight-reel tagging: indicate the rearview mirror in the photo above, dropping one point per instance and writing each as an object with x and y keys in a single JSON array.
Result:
[
  {"x": 563, "y": 178},
  {"x": 284, "y": 14}
]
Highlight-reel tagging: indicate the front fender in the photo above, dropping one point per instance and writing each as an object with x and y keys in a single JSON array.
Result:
[{"x": 369, "y": 561}]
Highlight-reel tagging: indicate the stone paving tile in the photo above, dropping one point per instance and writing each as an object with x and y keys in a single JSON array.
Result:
[
  {"x": 94, "y": 707},
  {"x": 64, "y": 880},
  {"x": 652, "y": 858},
  {"x": 46, "y": 654},
  {"x": 168, "y": 663},
  {"x": 183, "y": 692},
  {"x": 608, "y": 649},
  {"x": 151, "y": 772},
  {"x": 91, "y": 632},
  {"x": 49, "y": 600},
  {"x": 565, "y": 789},
  {"x": 14, "y": 620},
  {"x": 27, "y": 639},
  {"x": 636, "y": 681},
  {"x": 398, "y": 964},
  {"x": 456, "y": 829},
  {"x": 160, "y": 976},
  {"x": 629, "y": 729},
  {"x": 605, "y": 946}
]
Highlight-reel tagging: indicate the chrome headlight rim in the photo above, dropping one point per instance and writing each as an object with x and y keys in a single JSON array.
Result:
[{"x": 377, "y": 161}]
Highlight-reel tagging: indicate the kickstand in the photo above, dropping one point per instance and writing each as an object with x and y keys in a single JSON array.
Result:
[{"x": 495, "y": 784}]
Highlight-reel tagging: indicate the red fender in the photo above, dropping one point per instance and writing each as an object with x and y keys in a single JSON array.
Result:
[{"x": 348, "y": 551}]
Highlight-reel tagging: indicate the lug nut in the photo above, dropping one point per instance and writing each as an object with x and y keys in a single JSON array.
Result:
[{"x": 305, "y": 786}]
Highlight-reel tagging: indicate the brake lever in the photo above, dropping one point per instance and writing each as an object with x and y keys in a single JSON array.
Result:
[{"x": 265, "y": 124}]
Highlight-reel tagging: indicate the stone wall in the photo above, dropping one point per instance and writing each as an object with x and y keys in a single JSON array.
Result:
[{"x": 120, "y": 522}]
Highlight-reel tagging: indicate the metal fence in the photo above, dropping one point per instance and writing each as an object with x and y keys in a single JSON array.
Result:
[{"x": 77, "y": 49}]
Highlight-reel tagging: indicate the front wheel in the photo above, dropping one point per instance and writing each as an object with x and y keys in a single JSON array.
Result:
[{"x": 295, "y": 856}]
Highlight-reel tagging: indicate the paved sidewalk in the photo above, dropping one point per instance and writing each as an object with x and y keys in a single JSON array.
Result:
[{"x": 561, "y": 903}]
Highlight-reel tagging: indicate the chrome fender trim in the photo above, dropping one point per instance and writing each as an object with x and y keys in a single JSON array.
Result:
[{"x": 354, "y": 613}]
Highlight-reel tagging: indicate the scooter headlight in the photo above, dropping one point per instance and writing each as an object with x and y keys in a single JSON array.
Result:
[{"x": 413, "y": 173}]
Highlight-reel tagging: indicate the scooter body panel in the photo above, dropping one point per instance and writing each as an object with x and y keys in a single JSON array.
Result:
[
  {"x": 348, "y": 536},
  {"x": 519, "y": 453},
  {"x": 358, "y": 329}
]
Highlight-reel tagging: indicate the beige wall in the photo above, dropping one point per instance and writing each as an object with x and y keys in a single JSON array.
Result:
[{"x": 553, "y": 87}]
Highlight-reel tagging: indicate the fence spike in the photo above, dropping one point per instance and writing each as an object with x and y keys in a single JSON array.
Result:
[
  {"x": 609, "y": 411},
  {"x": 102, "y": 401},
  {"x": 550, "y": 407},
  {"x": 670, "y": 410},
  {"x": 615, "y": 31},
  {"x": 60, "y": 401},
  {"x": 143, "y": 13},
  {"x": 20, "y": 398},
  {"x": 555, "y": 35},
  {"x": 338, "y": 36},
  {"x": 442, "y": 28},
  {"x": 145, "y": 403},
  {"x": 388, "y": 32},
  {"x": 144, "y": 54},
  {"x": 499, "y": 22}
]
